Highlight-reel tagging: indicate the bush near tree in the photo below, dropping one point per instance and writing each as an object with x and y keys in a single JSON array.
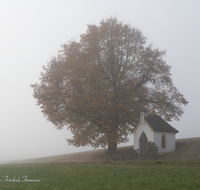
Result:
[{"x": 151, "y": 151}]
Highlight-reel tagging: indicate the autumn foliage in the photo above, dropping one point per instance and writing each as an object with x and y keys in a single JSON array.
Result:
[{"x": 98, "y": 85}]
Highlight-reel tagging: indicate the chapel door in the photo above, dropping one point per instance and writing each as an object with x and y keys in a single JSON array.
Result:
[{"x": 142, "y": 141}]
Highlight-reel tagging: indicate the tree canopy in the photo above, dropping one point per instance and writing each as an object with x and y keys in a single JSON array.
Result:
[{"x": 98, "y": 86}]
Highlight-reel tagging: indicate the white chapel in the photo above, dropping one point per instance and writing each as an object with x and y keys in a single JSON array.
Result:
[{"x": 154, "y": 129}]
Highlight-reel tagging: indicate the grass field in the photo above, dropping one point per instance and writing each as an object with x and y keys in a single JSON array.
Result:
[
  {"x": 93, "y": 170},
  {"x": 98, "y": 175}
]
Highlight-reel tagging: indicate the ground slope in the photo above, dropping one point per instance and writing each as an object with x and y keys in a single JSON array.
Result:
[{"x": 186, "y": 149}]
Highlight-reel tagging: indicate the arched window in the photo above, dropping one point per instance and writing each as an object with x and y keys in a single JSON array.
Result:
[{"x": 163, "y": 141}]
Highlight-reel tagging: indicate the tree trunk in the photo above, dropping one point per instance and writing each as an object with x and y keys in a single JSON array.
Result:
[
  {"x": 112, "y": 141},
  {"x": 112, "y": 148}
]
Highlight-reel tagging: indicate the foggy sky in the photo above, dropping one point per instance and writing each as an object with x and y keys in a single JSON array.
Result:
[{"x": 31, "y": 33}]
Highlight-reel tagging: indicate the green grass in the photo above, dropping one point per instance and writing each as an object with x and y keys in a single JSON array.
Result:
[{"x": 99, "y": 176}]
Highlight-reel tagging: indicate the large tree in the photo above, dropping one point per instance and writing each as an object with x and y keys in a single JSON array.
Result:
[{"x": 98, "y": 86}]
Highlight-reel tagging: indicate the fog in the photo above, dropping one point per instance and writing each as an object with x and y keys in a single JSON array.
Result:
[{"x": 32, "y": 31}]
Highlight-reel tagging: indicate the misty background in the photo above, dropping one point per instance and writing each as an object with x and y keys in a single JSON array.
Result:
[{"x": 31, "y": 33}]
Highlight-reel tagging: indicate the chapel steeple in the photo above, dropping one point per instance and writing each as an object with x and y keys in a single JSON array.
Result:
[{"x": 143, "y": 114}]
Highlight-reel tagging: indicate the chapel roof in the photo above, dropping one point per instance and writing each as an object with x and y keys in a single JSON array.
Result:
[{"x": 158, "y": 124}]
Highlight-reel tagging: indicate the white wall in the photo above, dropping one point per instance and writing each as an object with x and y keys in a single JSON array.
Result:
[
  {"x": 170, "y": 137},
  {"x": 155, "y": 137},
  {"x": 137, "y": 134}
]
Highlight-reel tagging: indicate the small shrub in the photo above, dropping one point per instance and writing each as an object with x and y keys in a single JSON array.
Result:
[{"x": 151, "y": 151}]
